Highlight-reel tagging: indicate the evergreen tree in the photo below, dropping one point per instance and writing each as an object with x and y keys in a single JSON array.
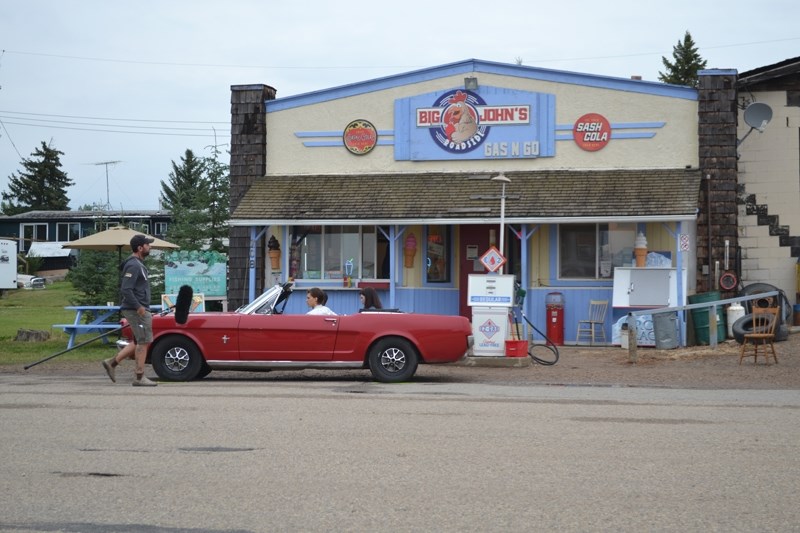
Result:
[
  {"x": 41, "y": 186},
  {"x": 186, "y": 184},
  {"x": 686, "y": 66},
  {"x": 219, "y": 200}
]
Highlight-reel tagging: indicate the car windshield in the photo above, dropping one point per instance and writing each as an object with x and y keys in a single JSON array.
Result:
[{"x": 264, "y": 304}]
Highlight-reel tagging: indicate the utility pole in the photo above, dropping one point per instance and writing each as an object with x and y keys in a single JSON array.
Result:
[{"x": 106, "y": 163}]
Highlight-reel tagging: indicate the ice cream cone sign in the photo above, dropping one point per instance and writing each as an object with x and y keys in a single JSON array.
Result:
[
  {"x": 640, "y": 250},
  {"x": 409, "y": 250},
  {"x": 274, "y": 253}
]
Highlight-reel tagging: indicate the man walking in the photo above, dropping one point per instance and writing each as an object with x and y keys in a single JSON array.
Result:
[{"x": 135, "y": 308}]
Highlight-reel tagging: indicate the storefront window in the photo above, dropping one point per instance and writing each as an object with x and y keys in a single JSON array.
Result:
[
  {"x": 592, "y": 251},
  {"x": 438, "y": 255},
  {"x": 333, "y": 252}
]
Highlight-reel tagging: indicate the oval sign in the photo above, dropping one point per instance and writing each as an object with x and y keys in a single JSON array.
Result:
[{"x": 360, "y": 137}]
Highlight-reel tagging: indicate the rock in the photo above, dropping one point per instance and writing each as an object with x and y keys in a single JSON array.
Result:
[{"x": 32, "y": 335}]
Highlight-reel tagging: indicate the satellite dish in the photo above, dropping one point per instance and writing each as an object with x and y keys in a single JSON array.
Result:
[{"x": 758, "y": 115}]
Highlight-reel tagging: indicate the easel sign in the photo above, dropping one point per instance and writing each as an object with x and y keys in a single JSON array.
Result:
[{"x": 198, "y": 302}]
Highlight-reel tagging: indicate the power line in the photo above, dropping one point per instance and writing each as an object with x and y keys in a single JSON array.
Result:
[
  {"x": 105, "y": 125},
  {"x": 119, "y": 119},
  {"x": 112, "y": 131}
]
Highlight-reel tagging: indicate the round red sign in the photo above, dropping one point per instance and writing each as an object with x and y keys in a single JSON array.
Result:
[
  {"x": 591, "y": 132},
  {"x": 360, "y": 137}
]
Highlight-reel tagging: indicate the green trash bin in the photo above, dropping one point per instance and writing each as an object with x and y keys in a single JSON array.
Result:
[{"x": 700, "y": 318}]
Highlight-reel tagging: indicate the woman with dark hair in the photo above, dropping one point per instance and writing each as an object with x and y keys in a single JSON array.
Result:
[{"x": 369, "y": 299}]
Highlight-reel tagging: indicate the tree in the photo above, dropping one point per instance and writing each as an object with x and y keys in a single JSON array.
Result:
[
  {"x": 198, "y": 197},
  {"x": 686, "y": 66},
  {"x": 186, "y": 183},
  {"x": 41, "y": 186}
]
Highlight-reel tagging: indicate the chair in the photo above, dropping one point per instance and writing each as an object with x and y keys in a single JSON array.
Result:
[
  {"x": 765, "y": 320},
  {"x": 597, "y": 318}
]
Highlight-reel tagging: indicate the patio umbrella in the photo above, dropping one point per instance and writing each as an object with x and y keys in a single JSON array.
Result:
[{"x": 115, "y": 238}]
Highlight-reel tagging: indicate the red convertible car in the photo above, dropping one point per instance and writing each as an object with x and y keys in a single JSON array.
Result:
[{"x": 259, "y": 336}]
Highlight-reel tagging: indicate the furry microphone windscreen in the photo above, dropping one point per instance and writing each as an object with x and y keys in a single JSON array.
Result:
[{"x": 183, "y": 303}]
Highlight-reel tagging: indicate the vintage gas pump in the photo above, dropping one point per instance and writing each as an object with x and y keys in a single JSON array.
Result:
[{"x": 490, "y": 296}]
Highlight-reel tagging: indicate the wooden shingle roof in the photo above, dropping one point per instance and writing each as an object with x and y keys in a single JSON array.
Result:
[{"x": 652, "y": 194}]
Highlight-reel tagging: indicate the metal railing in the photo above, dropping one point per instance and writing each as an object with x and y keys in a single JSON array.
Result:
[{"x": 712, "y": 318}]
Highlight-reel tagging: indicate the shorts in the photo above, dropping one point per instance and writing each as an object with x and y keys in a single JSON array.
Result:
[{"x": 141, "y": 326}]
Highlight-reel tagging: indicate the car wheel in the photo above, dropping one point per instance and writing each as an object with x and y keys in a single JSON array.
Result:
[
  {"x": 392, "y": 360},
  {"x": 176, "y": 358}
]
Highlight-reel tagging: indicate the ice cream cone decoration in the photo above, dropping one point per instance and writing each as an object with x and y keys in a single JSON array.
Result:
[
  {"x": 409, "y": 250},
  {"x": 274, "y": 253},
  {"x": 640, "y": 250}
]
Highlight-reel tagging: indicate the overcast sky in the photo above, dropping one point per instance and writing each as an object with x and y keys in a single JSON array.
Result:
[{"x": 139, "y": 82}]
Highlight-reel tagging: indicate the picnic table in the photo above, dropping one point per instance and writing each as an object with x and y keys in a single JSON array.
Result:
[{"x": 99, "y": 324}]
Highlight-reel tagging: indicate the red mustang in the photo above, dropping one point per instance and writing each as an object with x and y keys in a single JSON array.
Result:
[{"x": 258, "y": 336}]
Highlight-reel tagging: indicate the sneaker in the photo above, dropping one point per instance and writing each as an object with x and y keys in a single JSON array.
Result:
[
  {"x": 143, "y": 382},
  {"x": 110, "y": 370}
]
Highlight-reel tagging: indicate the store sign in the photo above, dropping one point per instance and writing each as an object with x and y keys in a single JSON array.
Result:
[
  {"x": 204, "y": 271},
  {"x": 493, "y": 123},
  {"x": 360, "y": 137},
  {"x": 591, "y": 132}
]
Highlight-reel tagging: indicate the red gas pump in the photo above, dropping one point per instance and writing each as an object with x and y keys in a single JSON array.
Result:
[{"x": 555, "y": 317}]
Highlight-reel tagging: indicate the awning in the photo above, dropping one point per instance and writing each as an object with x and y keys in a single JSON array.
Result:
[{"x": 439, "y": 198}]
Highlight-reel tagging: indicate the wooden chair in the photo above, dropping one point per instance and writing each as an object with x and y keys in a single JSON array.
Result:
[
  {"x": 597, "y": 319},
  {"x": 765, "y": 320}
]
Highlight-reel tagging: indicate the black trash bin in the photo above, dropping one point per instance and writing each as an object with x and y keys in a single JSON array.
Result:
[{"x": 665, "y": 328}]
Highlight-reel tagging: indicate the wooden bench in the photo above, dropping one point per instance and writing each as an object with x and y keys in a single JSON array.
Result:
[
  {"x": 76, "y": 329},
  {"x": 99, "y": 324}
]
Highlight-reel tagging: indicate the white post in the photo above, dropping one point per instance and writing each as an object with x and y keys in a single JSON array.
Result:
[{"x": 502, "y": 179}]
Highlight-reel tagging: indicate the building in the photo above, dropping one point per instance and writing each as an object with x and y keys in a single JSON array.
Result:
[
  {"x": 769, "y": 166},
  {"x": 351, "y": 179}
]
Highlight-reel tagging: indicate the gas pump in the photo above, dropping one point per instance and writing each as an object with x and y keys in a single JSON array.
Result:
[{"x": 490, "y": 296}]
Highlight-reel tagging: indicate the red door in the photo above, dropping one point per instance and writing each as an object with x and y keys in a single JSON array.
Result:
[{"x": 472, "y": 237}]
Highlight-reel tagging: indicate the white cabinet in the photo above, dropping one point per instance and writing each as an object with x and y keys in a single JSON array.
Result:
[{"x": 645, "y": 287}]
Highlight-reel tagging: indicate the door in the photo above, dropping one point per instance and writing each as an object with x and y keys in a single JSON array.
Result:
[
  {"x": 287, "y": 337},
  {"x": 474, "y": 241}
]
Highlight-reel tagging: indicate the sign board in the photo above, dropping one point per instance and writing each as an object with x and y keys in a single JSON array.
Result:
[
  {"x": 8, "y": 264},
  {"x": 204, "y": 271},
  {"x": 492, "y": 259},
  {"x": 490, "y": 290}
]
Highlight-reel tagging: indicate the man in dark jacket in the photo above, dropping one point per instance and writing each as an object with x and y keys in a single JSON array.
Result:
[{"x": 135, "y": 308}]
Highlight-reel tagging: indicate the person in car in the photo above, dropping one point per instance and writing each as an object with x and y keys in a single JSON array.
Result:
[
  {"x": 315, "y": 299},
  {"x": 370, "y": 299}
]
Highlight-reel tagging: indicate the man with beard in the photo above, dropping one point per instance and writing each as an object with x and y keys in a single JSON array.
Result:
[{"x": 135, "y": 308}]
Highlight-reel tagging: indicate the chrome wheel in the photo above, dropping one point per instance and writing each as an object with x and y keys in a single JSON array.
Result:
[
  {"x": 393, "y": 359},
  {"x": 176, "y": 359}
]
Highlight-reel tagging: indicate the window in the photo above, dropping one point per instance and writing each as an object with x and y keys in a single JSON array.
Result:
[
  {"x": 30, "y": 233},
  {"x": 437, "y": 252},
  {"x": 333, "y": 252},
  {"x": 592, "y": 251},
  {"x": 68, "y": 231},
  {"x": 160, "y": 228}
]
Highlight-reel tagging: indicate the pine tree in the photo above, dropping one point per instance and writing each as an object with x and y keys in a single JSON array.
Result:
[
  {"x": 686, "y": 66},
  {"x": 186, "y": 184},
  {"x": 41, "y": 186},
  {"x": 219, "y": 199}
]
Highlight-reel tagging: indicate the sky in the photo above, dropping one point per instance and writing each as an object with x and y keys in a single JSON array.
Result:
[{"x": 124, "y": 88}]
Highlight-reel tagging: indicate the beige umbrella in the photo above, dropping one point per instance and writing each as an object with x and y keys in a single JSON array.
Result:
[{"x": 114, "y": 239}]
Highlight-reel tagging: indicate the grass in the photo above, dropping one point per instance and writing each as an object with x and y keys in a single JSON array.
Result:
[{"x": 39, "y": 309}]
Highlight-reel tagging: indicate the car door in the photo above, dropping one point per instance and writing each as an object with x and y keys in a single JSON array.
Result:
[{"x": 287, "y": 337}]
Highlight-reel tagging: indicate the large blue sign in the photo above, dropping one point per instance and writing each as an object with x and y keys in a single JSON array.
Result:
[{"x": 491, "y": 123}]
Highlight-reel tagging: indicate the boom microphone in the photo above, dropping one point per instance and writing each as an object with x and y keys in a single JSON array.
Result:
[{"x": 183, "y": 303}]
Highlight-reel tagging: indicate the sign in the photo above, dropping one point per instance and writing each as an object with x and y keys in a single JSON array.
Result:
[
  {"x": 360, "y": 137},
  {"x": 204, "y": 271},
  {"x": 492, "y": 259},
  {"x": 458, "y": 124},
  {"x": 198, "y": 304},
  {"x": 591, "y": 132},
  {"x": 684, "y": 242}
]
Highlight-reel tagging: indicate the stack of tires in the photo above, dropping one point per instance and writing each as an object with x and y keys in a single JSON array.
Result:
[{"x": 745, "y": 324}]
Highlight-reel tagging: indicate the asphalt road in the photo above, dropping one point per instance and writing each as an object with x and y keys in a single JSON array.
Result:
[{"x": 345, "y": 454}]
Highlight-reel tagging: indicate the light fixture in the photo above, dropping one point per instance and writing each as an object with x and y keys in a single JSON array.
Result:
[
  {"x": 501, "y": 178},
  {"x": 471, "y": 83}
]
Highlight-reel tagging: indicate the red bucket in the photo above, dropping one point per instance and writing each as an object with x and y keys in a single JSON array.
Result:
[{"x": 516, "y": 348}]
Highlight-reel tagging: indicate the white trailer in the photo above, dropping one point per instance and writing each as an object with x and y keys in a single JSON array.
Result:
[{"x": 8, "y": 264}]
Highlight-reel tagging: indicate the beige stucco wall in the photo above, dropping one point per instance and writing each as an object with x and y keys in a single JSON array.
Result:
[
  {"x": 674, "y": 145},
  {"x": 769, "y": 168}
]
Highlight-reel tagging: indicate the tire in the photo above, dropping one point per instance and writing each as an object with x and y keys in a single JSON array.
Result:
[
  {"x": 744, "y": 325},
  {"x": 782, "y": 331},
  {"x": 176, "y": 358},
  {"x": 393, "y": 360}
]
